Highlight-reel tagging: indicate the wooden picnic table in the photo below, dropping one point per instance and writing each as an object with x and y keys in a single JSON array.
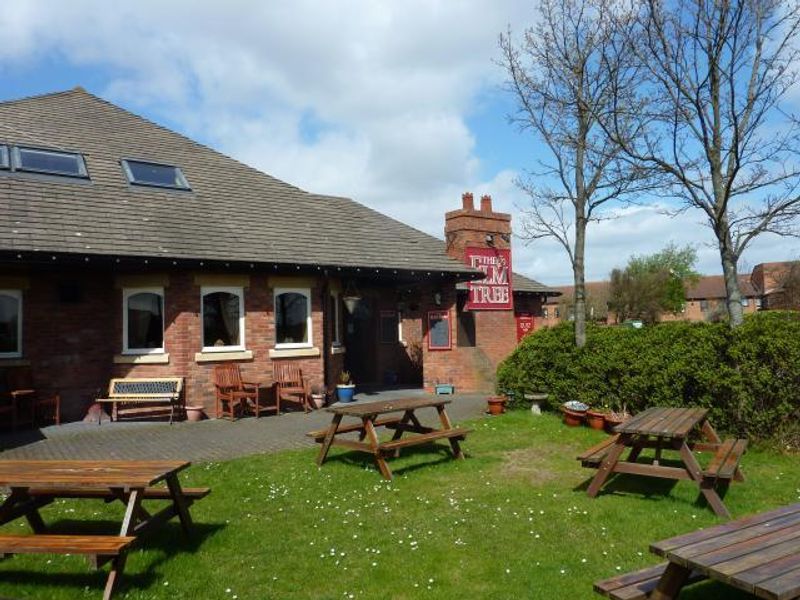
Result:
[
  {"x": 669, "y": 429},
  {"x": 759, "y": 554},
  {"x": 369, "y": 413},
  {"x": 34, "y": 484}
]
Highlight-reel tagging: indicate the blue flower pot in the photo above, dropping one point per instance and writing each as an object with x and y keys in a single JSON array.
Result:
[{"x": 345, "y": 393}]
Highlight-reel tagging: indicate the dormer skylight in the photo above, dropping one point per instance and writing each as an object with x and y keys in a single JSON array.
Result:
[
  {"x": 4, "y": 164},
  {"x": 154, "y": 174},
  {"x": 49, "y": 162}
]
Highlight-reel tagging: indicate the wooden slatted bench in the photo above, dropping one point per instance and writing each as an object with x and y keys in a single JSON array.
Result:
[
  {"x": 144, "y": 395},
  {"x": 725, "y": 463},
  {"x": 594, "y": 456},
  {"x": 636, "y": 585},
  {"x": 319, "y": 434},
  {"x": 150, "y": 493},
  {"x": 99, "y": 548},
  {"x": 457, "y": 433}
]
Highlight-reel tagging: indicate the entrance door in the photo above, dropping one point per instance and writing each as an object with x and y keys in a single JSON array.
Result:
[{"x": 360, "y": 334}]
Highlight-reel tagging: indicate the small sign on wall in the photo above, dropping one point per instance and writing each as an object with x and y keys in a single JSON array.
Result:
[
  {"x": 439, "y": 337},
  {"x": 493, "y": 292},
  {"x": 525, "y": 326}
]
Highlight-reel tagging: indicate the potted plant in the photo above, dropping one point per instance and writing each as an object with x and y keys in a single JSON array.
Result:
[
  {"x": 616, "y": 417},
  {"x": 596, "y": 418},
  {"x": 318, "y": 393},
  {"x": 574, "y": 412},
  {"x": 345, "y": 389},
  {"x": 497, "y": 404},
  {"x": 194, "y": 413}
]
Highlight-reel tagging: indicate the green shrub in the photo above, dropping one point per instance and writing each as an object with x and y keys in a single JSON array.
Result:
[{"x": 749, "y": 377}]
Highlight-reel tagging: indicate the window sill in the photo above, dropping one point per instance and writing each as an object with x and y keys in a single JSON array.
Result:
[
  {"x": 14, "y": 362},
  {"x": 293, "y": 352},
  {"x": 141, "y": 359},
  {"x": 203, "y": 357},
  {"x": 338, "y": 349}
]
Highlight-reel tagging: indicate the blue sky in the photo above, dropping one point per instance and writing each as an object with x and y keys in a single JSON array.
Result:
[{"x": 397, "y": 105}]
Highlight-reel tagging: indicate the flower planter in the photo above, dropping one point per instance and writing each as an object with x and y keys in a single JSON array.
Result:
[
  {"x": 614, "y": 419},
  {"x": 345, "y": 393},
  {"x": 497, "y": 405},
  {"x": 194, "y": 413},
  {"x": 573, "y": 418},
  {"x": 318, "y": 400},
  {"x": 595, "y": 419}
]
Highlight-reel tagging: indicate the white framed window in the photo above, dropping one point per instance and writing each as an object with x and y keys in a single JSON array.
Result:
[
  {"x": 143, "y": 321},
  {"x": 293, "y": 318},
  {"x": 10, "y": 323},
  {"x": 336, "y": 314},
  {"x": 222, "y": 314},
  {"x": 745, "y": 302}
]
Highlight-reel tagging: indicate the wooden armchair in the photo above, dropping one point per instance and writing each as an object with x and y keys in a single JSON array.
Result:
[
  {"x": 29, "y": 405},
  {"x": 290, "y": 384},
  {"x": 233, "y": 394}
]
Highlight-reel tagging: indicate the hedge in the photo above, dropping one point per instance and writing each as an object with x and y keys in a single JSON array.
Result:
[{"x": 748, "y": 377}]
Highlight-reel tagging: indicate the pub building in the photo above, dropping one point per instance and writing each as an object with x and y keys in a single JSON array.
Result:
[{"x": 128, "y": 250}]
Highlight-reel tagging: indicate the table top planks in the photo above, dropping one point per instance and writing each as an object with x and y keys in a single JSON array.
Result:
[
  {"x": 759, "y": 554},
  {"x": 87, "y": 473},
  {"x": 664, "y": 422},
  {"x": 364, "y": 409}
]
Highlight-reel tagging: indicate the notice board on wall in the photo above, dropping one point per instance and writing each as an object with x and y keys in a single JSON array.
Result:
[{"x": 439, "y": 330}]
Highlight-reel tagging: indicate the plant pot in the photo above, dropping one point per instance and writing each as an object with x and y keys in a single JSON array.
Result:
[
  {"x": 497, "y": 405},
  {"x": 318, "y": 400},
  {"x": 614, "y": 419},
  {"x": 345, "y": 393},
  {"x": 194, "y": 413},
  {"x": 595, "y": 419},
  {"x": 573, "y": 418}
]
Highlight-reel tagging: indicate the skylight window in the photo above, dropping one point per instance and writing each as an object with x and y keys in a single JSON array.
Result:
[
  {"x": 4, "y": 157},
  {"x": 51, "y": 162},
  {"x": 154, "y": 174}
]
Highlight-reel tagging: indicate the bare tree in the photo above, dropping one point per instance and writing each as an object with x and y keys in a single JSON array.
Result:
[
  {"x": 567, "y": 71},
  {"x": 717, "y": 73}
]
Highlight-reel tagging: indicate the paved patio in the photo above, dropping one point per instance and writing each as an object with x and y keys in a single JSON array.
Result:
[{"x": 209, "y": 440}]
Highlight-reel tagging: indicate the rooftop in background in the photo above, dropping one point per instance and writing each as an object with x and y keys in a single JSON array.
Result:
[
  {"x": 713, "y": 286},
  {"x": 232, "y": 213}
]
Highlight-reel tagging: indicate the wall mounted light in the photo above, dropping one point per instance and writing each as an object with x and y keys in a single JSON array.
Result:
[
  {"x": 437, "y": 298},
  {"x": 489, "y": 239}
]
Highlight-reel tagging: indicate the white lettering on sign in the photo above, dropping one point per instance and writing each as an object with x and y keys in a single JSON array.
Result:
[{"x": 494, "y": 290}]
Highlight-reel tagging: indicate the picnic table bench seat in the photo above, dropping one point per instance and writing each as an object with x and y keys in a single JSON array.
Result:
[
  {"x": 636, "y": 585},
  {"x": 41, "y": 543},
  {"x": 150, "y": 493},
  {"x": 724, "y": 464},
  {"x": 592, "y": 457},
  {"x": 140, "y": 395},
  {"x": 319, "y": 434},
  {"x": 457, "y": 433}
]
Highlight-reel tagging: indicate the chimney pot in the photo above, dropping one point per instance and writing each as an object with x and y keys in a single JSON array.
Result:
[
  {"x": 467, "y": 201},
  {"x": 486, "y": 203}
]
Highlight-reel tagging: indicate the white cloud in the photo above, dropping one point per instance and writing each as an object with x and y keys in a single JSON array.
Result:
[{"x": 367, "y": 99}]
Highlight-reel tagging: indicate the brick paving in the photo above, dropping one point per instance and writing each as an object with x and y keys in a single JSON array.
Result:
[{"x": 210, "y": 440}]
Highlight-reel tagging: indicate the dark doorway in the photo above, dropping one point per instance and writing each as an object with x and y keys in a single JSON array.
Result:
[{"x": 360, "y": 337}]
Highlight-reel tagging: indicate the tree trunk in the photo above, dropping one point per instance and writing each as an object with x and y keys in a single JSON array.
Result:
[
  {"x": 579, "y": 275},
  {"x": 729, "y": 272}
]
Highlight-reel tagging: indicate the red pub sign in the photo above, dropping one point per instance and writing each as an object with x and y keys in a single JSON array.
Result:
[
  {"x": 493, "y": 292},
  {"x": 525, "y": 326}
]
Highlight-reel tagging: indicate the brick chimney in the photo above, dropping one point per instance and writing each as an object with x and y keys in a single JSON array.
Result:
[{"x": 467, "y": 227}]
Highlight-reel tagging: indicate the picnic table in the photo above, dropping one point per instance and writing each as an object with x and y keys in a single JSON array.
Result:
[
  {"x": 369, "y": 419},
  {"x": 669, "y": 429},
  {"x": 34, "y": 484},
  {"x": 759, "y": 554}
]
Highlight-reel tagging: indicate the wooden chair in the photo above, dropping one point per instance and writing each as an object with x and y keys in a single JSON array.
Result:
[
  {"x": 290, "y": 384},
  {"x": 31, "y": 405},
  {"x": 233, "y": 394}
]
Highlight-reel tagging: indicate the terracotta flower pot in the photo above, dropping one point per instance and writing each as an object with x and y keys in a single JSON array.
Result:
[
  {"x": 318, "y": 400},
  {"x": 573, "y": 418},
  {"x": 194, "y": 413},
  {"x": 614, "y": 419},
  {"x": 595, "y": 419},
  {"x": 497, "y": 405}
]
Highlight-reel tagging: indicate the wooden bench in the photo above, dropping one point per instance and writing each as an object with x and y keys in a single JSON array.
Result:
[
  {"x": 145, "y": 393},
  {"x": 319, "y": 434},
  {"x": 150, "y": 493},
  {"x": 636, "y": 585},
  {"x": 593, "y": 457},
  {"x": 457, "y": 433},
  {"x": 99, "y": 548},
  {"x": 725, "y": 464}
]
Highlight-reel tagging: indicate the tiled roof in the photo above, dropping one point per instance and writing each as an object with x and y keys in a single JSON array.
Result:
[
  {"x": 599, "y": 288},
  {"x": 233, "y": 213},
  {"x": 713, "y": 286}
]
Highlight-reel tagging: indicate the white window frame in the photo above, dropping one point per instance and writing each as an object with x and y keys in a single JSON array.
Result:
[
  {"x": 304, "y": 292},
  {"x": 336, "y": 342},
  {"x": 237, "y": 291},
  {"x": 126, "y": 294},
  {"x": 17, "y": 294}
]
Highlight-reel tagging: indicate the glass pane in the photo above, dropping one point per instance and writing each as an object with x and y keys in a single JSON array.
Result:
[
  {"x": 150, "y": 174},
  {"x": 51, "y": 162},
  {"x": 221, "y": 319},
  {"x": 3, "y": 157},
  {"x": 145, "y": 321},
  {"x": 9, "y": 324},
  {"x": 291, "y": 313}
]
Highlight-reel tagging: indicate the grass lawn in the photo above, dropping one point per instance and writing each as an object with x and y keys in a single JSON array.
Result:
[{"x": 511, "y": 521}]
